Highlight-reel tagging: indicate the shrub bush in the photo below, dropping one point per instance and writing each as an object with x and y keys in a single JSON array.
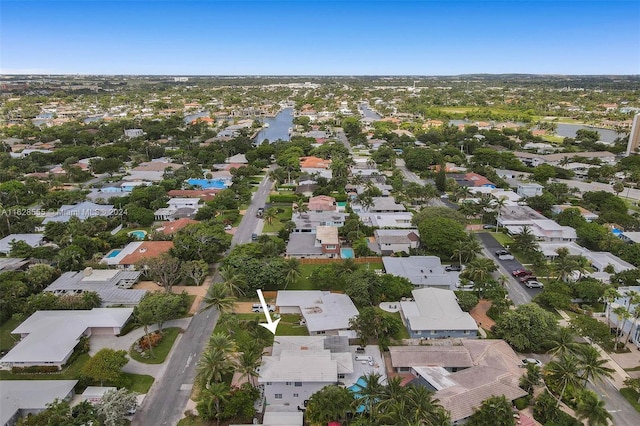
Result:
[
  {"x": 283, "y": 198},
  {"x": 150, "y": 341},
  {"x": 35, "y": 369}
]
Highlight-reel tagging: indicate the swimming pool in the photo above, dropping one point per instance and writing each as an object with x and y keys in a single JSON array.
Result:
[
  {"x": 356, "y": 388},
  {"x": 139, "y": 235},
  {"x": 346, "y": 253},
  {"x": 208, "y": 183},
  {"x": 616, "y": 232},
  {"x": 113, "y": 253}
]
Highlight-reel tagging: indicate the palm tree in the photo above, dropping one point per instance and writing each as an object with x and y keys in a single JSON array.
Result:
[
  {"x": 292, "y": 269},
  {"x": 213, "y": 365},
  {"x": 592, "y": 409},
  {"x": 218, "y": 297},
  {"x": 525, "y": 241},
  {"x": 592, "y": 365},
  {"x": 248, "y": 363},
  {"x": 424, "y": 409},
  {"x": 498, "y": 204},
  {"x": 480, "y": 269},
  {"x": 232, "y": 280},
  {"x": 212, "y": 396},
  {"x": 563, "y": 342},
  {"x": 222, "y": 342},
  {"x": 564, "y": 372},
  {"x": 564, "y": 265},
  {"x": 634, "y": 299},
  {"x": 370, "y": 394},
  {"x": 623, "y": 315},
  {"x": 610, "y": 295},
  {"x": 581, "y": 264},
  {"x": 531, "y": 379},
  {"x": 302, "y": 208},
  {"x": 270, "y": 214},
  {"x": 392, "y": 392}
]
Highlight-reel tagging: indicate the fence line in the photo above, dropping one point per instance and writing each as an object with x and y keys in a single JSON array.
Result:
[{"x": 325, "y": 261}]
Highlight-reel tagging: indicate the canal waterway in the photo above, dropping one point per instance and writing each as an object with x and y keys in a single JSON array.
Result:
[{"x": 278, "y": 127}]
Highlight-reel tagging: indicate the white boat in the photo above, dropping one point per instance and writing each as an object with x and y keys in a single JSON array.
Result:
[{"x": 265, "y": 125}]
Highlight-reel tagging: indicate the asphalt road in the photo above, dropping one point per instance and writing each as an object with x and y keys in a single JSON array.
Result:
[
  {"x": 631, "y": 193},
  {"x": 166, "y": 401},
  {"x": 623, "y": 413},
  {"x": 518, "y": 292}
]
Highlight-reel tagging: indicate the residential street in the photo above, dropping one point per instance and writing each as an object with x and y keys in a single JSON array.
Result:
[{"x": 167, "y": 400}]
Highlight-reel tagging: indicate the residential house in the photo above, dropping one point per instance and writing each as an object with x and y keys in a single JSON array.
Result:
[
  {"x": 323, "y": 312},
  {"x": 13, "y": 264},
  {"x": 422, "y": 271},
  {"x": 529, "y": 189},
  {"x": 203, "y": 194},
  {"x": 237, "y": 159},
  {"x": 309, "y": 221},
  {"x": 314, "y": 163},
  {"x": 23, "y": 397},
  {"x": 435, "y": 314},
  {"x": 171, "y": 227},
  {"x": 152, "y": 171},
  {"x": 133, "y": 133},
  {"x": 178, "y": 208},
  {"x": 82, "y": 211},
  {"x": 50, "y": 337},
  {"x": 323, "y": 243},
  {"x": 32, "y": 240},
  {"x": 515, "y": 218},
  {"x": 385, "y": 205},
  {"x": 630, "y": 327},
  {"x": 387, "y": 220},
  {"x": 462, "y": 372},
  {"x": 113, "y": 286},
  {"x": 321, "y": 203},
  {"x": 534, "y": 160},
  {"x": 135, "y": 252},
  {"x": 391, "y": 241},
  {"x": 586, "y": 214},
  {"x": 471, "y": 179}
]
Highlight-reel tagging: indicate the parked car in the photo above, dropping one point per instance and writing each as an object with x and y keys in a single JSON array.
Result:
[
  {"x": 468, "y": 285},
  {"x": 254, "y": 237},
  {"x": 521, "y": 272},
  {"x": 260, "y": 212},
  {"x": 534, "y": 361},
  {"x": 534, "y": 284},
  {"x": 501, "y": 252},
  {"x": 451, "y": 268},
  {"x": 258, "y": 308},
  {"x": 488, "y": 226},
  {"x": 526, "y": 278},
  {"x": 506, "y": 256},
  {"x": 228, "y": 227}
]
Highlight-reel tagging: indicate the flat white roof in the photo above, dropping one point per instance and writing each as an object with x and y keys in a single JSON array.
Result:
[
  {"x": 436, "y": 309},
  {"x": 52, "y": 335},
  {"x": 16, "y": 395},
  {"x": 321, "y": 310}
]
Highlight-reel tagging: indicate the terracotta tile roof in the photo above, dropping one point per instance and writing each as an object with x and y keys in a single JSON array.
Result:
[
  {"x": 147, "y": 250},
  {"x": 169, "y": 228},
  {"x": 314, "y": 163}
]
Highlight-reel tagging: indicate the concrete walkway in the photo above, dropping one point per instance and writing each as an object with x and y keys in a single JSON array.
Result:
[{"x": 125, "y": 342}]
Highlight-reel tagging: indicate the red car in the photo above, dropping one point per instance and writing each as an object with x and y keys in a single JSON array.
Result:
[
  {"x": 521, "y": 272},
  {"x": 526, "y": 278}
]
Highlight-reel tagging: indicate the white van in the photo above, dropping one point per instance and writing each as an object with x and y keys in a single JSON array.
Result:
[{"x": 364, "y": 358}]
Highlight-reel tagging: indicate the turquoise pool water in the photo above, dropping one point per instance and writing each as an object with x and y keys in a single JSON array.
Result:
[
  {"x": 114, "y": 253},
  {"x": 346, "y": 253},
  {"x": 342, "y": 203},
  {"x": 139, "y": 235},
  {"x": 355, "y": 389},
  {"x": 208, "y": 183},
  {"x": 616, "y": 231}
]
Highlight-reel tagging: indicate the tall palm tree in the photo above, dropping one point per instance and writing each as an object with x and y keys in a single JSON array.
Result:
[
  {"x": 564, "y": 265},
  {"x": 592, "y": 409},
  {"x": 303, "y": 208},
  {"x": 565, "y": 372},
  {"x": 581, "y": 265},
  {"x": 212, "y": 396},
  {"x": 623, "y": 315},
  {"x": 610, "y": 295},
  {"x": 424, "y": 408},
  {"x": 232, "y": 280},
  {"x": 593, "y": 367},
  {"x": 531, "y": 379},
  {"x": 525, "y": 241},
  {"x": 563, "y": 342},
  {"x": 292, "y": 269},
  {"x": 217, "y": 297},
  {"x": 270, "y": 214},
  {"x": 498, "y": 204},
  {"x": 370, "y": 394},
  {"x": 222, "y": 342},
  {"x": 634, "y": 299},
  {"x": 480, "y": 269},
  {"x": 212, "y": 366},
  {"x": 248, "y": 363},
  {"x": 392, "y": 392}
]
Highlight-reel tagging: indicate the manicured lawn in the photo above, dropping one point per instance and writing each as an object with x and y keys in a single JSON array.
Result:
[
  {"x": 280, "y": 219},
  {"x": 72, "y": 372},
  {"x": 402, "y": 333},
  {"x": 8, "y": 340},
  {"x": 503, "y": 239},
  {"x": 290, "y": 326},
  {"x": 193, "y": 421},
  {"x": 161, "y": 351},
  {"x": 631, "y": 396},
  {"x": 140, "y": 383},
  {"x": 240, "y": 330},
  {"x": 303, "y": 282}
]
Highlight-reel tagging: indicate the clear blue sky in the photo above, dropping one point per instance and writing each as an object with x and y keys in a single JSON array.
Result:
[{"x": 320, "y": 37}]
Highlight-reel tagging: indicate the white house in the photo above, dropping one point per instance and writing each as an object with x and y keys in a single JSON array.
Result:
[
  {"x": 49, "y": 337},
  {"x": 82, "y": 211},
  {"x": 435, "y": 314},
  {"x": 323, "y": 312},
  {"x": 631, "y": 327},
  {"x": 133, "y": 133},
  {"x": 529, "y": 189},
  {"x": 586, "y": 214},
  {"x": 32, "y": 240},
  {"x": 422, "y": 271},
  {"x": 396, "y": 240},
  {"x": 387, "y": 220},
  {"x": 19, "y": 398}
]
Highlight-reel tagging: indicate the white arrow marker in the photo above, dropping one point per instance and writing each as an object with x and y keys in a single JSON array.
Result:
[{"x": 270, "y": 325}]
